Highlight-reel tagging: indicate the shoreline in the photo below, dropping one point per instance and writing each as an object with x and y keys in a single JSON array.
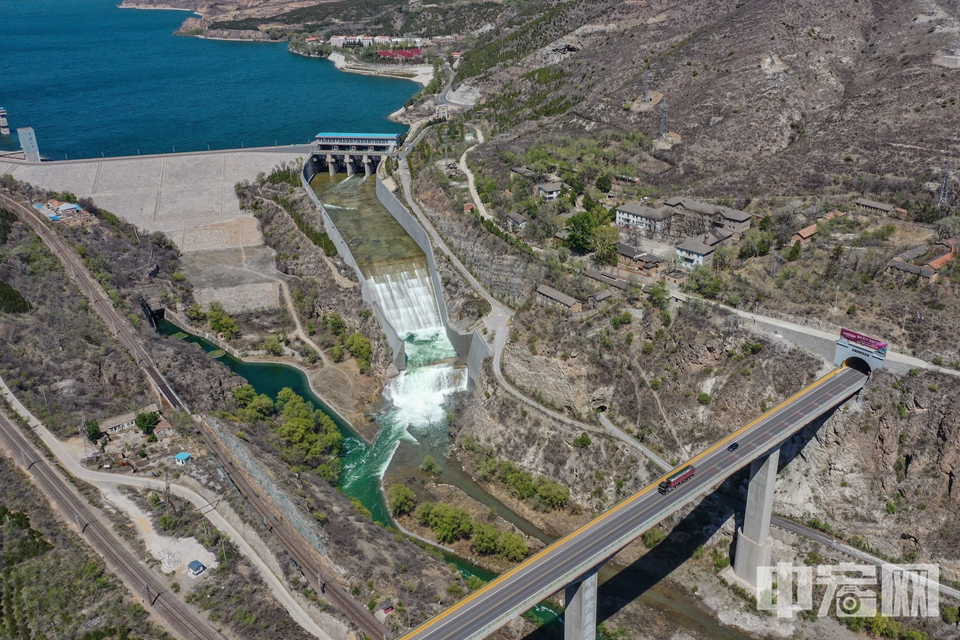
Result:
[
  {"x": 130, "y": 6},
  {"x": 340, "y": 62}
]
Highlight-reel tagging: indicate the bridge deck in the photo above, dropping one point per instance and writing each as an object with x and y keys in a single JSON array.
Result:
[{"x": 562, "y": 562}]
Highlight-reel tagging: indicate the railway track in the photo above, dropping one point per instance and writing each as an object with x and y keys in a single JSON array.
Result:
[
  {"x": 314, "y": 569},
  {"x": 118, "y": 558}
]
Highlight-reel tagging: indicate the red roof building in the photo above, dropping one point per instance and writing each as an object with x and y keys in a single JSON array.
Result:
[{"x": 940, "y": 262}]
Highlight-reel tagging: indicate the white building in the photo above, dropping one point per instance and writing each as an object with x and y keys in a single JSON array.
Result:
[
  {"x": 695, "y": 251},
  {"x": 550, "y": 190},
  {"x": 637, "y": 216}
]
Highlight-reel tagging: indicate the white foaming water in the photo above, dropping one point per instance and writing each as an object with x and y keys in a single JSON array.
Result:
[
  {"x": 406, "y": 296},
  {"x": 417, "y": 397}
]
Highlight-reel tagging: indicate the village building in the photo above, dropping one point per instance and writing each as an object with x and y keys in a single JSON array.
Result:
[
  {"x": 125, "y": 420},
  {"x": 182, "y": 458},
  {"x": 619, "y": 283},
  {"x": 733, "y": 221},
  {"x": 595, "y": 299},
  {"x": 515, "y": 222},
  {"x": 695, "y": 251},
  {"x": 628, "y": 254},
  {"x": 804, "y": 235},
  {"x": 906, "y": 262},
  {"x": 634, "y": 215},
  {"x": 550, "y": 190},
  {"x": 876, "y": 207},
  {"x": 699, "y": 216},
  {"x": 549, "y": 296}
]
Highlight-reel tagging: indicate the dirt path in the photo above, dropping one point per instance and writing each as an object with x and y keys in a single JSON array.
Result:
[
  {"x": 291, "y": 309},
  {"x": 109, "y": 483},
  {"x": 470, "y": 181}
]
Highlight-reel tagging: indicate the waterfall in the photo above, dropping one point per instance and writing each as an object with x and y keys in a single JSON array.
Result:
[{"x": 406, "y": 296}]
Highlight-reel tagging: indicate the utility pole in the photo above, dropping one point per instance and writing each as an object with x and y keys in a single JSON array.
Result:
[
  {"x": 646, "y": 85},
  {"x": 903, "y": 325}
]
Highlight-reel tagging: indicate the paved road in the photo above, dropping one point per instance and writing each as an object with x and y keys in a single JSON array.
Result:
[
  {"x": 106, "y": 481},
  {"x": 560, "y": 563},
  {"x": 316, "y": 569},
  {"x": 892, "y": 356},
  {"x": 181, "y": 618}
]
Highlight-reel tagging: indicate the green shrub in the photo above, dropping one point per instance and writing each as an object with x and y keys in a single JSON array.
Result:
[
  {"x": 429, "y": 465},
  {"x": 621, "y": 320},
  {"x": 721, "y": 560},
  {"x": 704, "y": 398},
  {"x": 582, "y": 441},
  {"x": 147, "y": 422},
  {"x": 512, "y": 547},
  {"x": 653, "y": 537},
  {"x": 401, "y": 499}
]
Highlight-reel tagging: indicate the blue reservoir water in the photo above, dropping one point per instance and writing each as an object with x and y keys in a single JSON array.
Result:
[{"x": 94, "y": 79}]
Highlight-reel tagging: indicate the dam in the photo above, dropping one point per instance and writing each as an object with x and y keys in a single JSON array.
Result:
[
  {"x": 400, "y": 282},
  {"x": 354, "y": 151}
]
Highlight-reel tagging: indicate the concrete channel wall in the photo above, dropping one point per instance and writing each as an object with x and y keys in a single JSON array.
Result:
[
  {"x": 310, "y": 169},
  {"x": 471, "y": 347}
]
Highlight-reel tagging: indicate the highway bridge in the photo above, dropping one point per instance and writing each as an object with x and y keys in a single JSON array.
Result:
[{"x": 572, "y": 562}]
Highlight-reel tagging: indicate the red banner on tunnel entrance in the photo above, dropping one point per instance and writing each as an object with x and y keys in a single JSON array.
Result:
[{"x": 864, "y": 341}]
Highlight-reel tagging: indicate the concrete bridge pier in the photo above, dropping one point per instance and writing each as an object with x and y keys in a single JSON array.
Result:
[
  {"x": 351, "y": 166},
  {"x": 331, "y": 165},
  {"x": 754, "y": 544},
  {"x": 580, "y": 611},
  {"x": 367, "y": 166}
]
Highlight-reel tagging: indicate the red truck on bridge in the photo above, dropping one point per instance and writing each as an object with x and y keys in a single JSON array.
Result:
[{"x": 677, "y": 478}]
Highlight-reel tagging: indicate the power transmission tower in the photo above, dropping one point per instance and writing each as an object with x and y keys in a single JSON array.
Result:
[
  {"x": 943, "y": 194},
  {"x": 664, "y": 128},
  {"x": 646, "y": 85}
]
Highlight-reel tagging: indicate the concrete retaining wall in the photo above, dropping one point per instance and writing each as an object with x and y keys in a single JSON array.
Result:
[
  {"x": 176, "y": 321},
  {"x": 310, "y": 169},
  {"x": 471, "y": 347}
]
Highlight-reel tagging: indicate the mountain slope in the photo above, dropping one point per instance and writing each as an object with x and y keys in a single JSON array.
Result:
[{"x": 767, "y": 96}]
